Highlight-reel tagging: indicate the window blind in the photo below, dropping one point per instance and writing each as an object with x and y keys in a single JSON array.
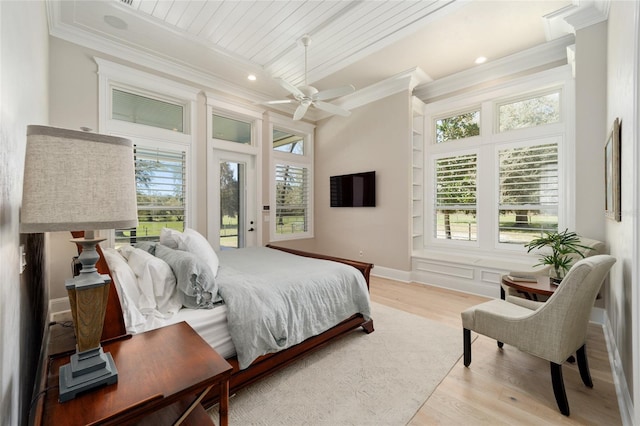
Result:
[
  {"x": 292, "y": 199},
  {"x": 161, "y": 189},
  {"x": 528, "y": 197},
  {"x": 455, "y": 198}
]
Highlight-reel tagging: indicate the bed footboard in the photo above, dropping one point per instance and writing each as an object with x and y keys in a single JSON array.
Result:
[{"x": 363, "y": 267}]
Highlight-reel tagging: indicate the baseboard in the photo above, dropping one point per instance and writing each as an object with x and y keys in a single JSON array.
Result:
[
  {"x": 392, "y": 274},
  {"x": 625, "y": 402},
  {"x": 57, "y": 306}
]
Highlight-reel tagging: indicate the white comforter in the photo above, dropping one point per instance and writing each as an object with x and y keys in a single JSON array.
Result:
[{"x": 269, "y": 310}]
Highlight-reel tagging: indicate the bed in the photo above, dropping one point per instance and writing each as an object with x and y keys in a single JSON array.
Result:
[{"x": 319, "y": 331}]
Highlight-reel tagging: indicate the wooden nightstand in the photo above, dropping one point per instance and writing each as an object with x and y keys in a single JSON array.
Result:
[{"x": 161, "y": 374}]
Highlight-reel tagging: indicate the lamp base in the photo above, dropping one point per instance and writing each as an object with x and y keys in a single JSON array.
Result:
[{"x": 86, "y": 370}]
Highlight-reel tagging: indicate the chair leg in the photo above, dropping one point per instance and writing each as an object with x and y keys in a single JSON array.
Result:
[
  {"x": 583, "y": 366},
  {"x": 558, "y": 388},
  {"x": 466, "y": 337}
]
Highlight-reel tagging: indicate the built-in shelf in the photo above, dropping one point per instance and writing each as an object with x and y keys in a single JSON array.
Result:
[{"x": 417, "y": 174}]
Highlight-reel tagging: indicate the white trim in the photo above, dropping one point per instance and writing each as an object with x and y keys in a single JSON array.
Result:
[
  {"x": 224, "y": 103},
  {"x": 406, "y": 80},
  {"x": 58, "y": 305},
  {"x": 202, "y": 77},
  {"x": 511, "y": 66},
  {"x": 635, "y": 266},
  {"x": 392, "y": 274},
  {"x": 619, "y": 380}
]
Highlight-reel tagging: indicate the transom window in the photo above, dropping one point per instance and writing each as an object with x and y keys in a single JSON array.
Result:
[
  {"x": 288, "y": 142},
  {"x": 230, "y": 129},
  {"x": 530, "y": 112},
  {"x": 138, "y": 109},
  {"x": 457, "y": 126}
]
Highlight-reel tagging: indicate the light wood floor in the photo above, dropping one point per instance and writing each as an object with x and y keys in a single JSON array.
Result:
[{"x": 502, "y": 386}]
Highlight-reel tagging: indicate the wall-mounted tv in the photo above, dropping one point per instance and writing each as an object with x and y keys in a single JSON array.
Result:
[{"x": 353, "y": 190}]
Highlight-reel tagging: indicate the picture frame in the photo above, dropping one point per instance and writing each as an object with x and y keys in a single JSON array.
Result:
[{"x": 612, "y": 173}]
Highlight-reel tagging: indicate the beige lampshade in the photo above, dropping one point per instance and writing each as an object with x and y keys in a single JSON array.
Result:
[{"x": 77, "y": 180}]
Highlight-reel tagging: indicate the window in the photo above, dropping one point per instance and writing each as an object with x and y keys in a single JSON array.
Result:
[
  {"x": 157, "y": 115},
  {"x": 498, "y": 162},
  {"x": 291, "y": 211},
  {"x": 458, "y": 126},
  {"x": 138, "y": 109},
  {"x": 455, "y": 193},
  {"x": 229, "y": 129},
  {"x": 292, "y": 199},
  {"x": 528, "y": 198},
  {"x": 288, "y": 142},
  {"x": 161, "y": 188},
  {"x": 529, "y": 112}
]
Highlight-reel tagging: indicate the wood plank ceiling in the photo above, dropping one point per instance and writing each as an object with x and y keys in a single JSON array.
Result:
[{"x": 267, "y": 34}]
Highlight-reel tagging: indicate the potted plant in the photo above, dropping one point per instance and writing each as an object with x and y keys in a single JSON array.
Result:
[{"x": 564, "y": 248}]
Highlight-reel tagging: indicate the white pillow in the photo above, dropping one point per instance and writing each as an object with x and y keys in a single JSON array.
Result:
[
  {"x": 156, "y": 283},
  {"x": 170, "y": 238},
  {"x": 127, "y": 286},
  {"x": 193, "y": 242},
  {"x": 125, "y": 251}
]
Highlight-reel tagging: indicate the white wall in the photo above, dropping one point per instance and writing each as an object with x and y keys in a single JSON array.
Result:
[
  {"x": 591, "y": 127},
  {"x": 24, "y": 100},
  {"x": 375, "y": 137},
  {"x": 622, "y": 237}
]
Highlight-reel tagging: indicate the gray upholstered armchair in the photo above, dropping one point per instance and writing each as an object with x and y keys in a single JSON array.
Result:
[{"x": 552, "y": 330}]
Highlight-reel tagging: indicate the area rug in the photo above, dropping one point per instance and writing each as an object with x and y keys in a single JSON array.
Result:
[{"x": 381, "y": 378}]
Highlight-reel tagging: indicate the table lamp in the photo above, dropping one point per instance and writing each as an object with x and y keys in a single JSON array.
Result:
[{"x": 73, "y": 181}]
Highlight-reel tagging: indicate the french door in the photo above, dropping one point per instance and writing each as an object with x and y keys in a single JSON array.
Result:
[{"x": 232, "y": 205}]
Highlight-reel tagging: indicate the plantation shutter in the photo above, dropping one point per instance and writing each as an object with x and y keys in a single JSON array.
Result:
[
  {"x": 161, "y": 189},
  {"x": 455, "y": 198},
  {"x": 528, "y": 190},
  {"x": 292, "y": 199}
]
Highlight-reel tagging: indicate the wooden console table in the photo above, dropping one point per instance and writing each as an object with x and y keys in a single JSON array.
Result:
[{"x": 162, "y": 375}]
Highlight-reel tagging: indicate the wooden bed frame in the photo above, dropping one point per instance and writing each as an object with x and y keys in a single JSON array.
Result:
[{"x": 265, "y": 365}]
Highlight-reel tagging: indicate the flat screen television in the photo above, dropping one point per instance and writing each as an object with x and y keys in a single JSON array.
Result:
[{"x": 353, "y": 190}]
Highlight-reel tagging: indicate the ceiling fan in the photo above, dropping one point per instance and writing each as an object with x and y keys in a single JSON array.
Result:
[{"x": 307, "y": 96}]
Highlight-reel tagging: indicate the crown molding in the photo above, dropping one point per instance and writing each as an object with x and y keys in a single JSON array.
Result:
[
  {"x": 404, "y": 81},
  {"x": 569, "y": 19},
  {"x": 140, "y": 58},
  {"x": 592, "y": 14},
  {"x": 535, "y": 57}
]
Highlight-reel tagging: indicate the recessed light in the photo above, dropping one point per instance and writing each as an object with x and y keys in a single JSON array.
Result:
[
  {"x": 480, "y": 60},
  {"x": 115, "y": 22},
  {"x": 252, "y": 77}
]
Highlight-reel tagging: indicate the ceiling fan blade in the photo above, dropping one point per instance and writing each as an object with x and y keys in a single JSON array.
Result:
[
  {"x": 331, "y": 108},
  {"x": 290, "y": 88},
  {"x": 279, "y": 101},
  {"x": 301, "y": 110},
  {"x": 334, "y": 93}
]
